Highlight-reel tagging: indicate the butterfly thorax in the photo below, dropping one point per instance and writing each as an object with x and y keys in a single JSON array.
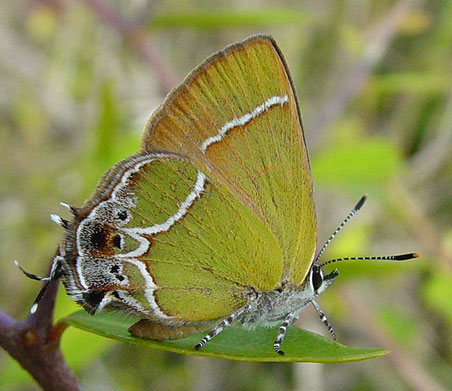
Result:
[{"x": 268, "y": 309}]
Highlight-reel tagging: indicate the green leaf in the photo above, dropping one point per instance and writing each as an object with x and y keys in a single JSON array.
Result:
[
  {"x": 111, "y": 138},
  {"x": 228, "y": 19},
  {"x": 233, "y": 343},
  {"x": 109, "y": 123},
  {"x": 357, "y": 163},
  {"x": 410, "y": 83}
]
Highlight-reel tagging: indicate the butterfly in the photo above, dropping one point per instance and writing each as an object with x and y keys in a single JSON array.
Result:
[{"x": 212, "y": 223}]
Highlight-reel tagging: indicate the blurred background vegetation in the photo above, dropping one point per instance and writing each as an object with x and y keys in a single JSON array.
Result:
[{"x": 78, "y": 80}]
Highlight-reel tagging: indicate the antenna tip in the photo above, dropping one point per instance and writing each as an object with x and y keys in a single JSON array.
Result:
[
  {"x": 58, "y": 220},
  {"x": 16, "y": 263},
  {"x": 405, "y": 257},
  {"x": 361, "y": 202}
]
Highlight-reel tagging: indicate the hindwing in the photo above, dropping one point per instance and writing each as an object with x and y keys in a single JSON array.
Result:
[{"x": 162, "y": 240}]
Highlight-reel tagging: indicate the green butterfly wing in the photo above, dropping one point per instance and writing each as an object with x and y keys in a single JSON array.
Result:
[
  {"x": 189, "y": 250},
  {"x": 236, "y": 118}
]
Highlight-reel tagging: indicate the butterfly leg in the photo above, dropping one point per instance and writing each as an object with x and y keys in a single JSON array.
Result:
[
  {"x": 221, "y": 326},
  {"x": 324, "y": 319},
  {"x": 282, "y": 333}
]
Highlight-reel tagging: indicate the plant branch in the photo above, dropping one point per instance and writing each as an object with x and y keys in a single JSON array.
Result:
[{"x": 35, "y": 344}]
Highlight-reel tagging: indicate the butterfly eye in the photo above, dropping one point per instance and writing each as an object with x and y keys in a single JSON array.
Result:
[{"x": 317, "y": 278}]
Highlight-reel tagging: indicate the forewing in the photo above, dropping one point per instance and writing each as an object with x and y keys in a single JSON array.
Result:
[{"x": 236, "y": 118}]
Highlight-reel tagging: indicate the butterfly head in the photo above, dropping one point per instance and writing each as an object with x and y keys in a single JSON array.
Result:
[{"x": 319, "y": 281}]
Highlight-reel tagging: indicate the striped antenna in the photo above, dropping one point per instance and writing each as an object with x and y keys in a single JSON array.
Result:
[
  {"x": 355, "y": 210},
  {"x": 402, "y": 257},
  {"x": 55, "y": 272},
  {"x": 30, "y": 275}
]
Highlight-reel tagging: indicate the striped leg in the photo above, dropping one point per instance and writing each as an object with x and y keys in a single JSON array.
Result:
[
  {"x": 282, "y": 333},
  {"x": 324, "y": 319},
  {"x": 223, "y": 324}
]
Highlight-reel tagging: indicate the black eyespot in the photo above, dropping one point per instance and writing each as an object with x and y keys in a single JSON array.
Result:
[
  {"x": 317, "y": 278},
  {"x": 120, "y": 278},
  {"x": 93, "y": 298},
  {"x": 98, "y": 238},
  {"x": 117, "y": 241},
  {"x": 122, "y": 215},
  {"x": 114, "y": 269}
]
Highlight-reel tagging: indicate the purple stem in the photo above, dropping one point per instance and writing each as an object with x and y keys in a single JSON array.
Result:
[{"x": 35, "y": 344}]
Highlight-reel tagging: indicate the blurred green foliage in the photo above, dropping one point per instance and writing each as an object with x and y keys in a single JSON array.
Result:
[
  {"x": 75, "y": 93},
  {"x": 227, "y": 18}
]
